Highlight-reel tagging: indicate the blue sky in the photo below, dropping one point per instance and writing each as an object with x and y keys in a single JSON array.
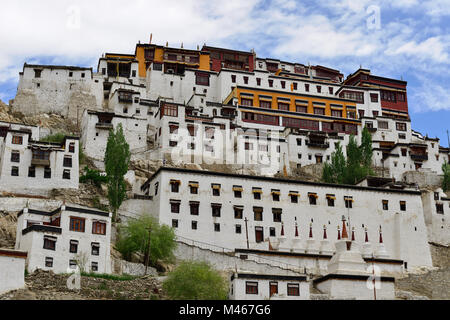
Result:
[{"x": 407, "y": 39}]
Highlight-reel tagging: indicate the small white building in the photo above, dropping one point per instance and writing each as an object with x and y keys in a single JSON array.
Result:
[
  {"x": 252, "y": 286},
  {"x": 29, "y": 166},
  {"x": 12, "y": 270},
  {"x": 95, "y": 131},
  {"x": 65, "y": 238}
]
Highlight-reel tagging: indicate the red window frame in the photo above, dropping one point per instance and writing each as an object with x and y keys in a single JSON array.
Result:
[{"x": 77, "y": 224}]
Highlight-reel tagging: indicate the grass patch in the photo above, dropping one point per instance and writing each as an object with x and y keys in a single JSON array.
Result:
[{"x": 124, "y": 277}]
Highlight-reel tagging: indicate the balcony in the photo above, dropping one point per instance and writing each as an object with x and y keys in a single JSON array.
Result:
[
  {"x": 318, "y": 144},
  {"x": 418, "y": 157},
  {"x": 371, "y": 130},
  {"x": 104, "y": 125}
]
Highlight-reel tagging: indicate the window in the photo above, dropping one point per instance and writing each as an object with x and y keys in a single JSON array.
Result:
[
  {"x": 373, "y": 97},
  {"x": 385, "y": 204},
  {"x": 375, "y": 113},
  {"x": 320, "y": 111},
  {"x": 216, "y": 227},
  {"x": 245, "y": 80},
  {"x": 383, "y": 125},
  {"x": 330, "y": 200},
  {"x": 95, "y": 248},
  {"x": 175, "y": 206},
  {"x": 32, "y": 172},
  {"x": 348, "y": 202},
  {"x": 270, "y": 83},
  {"x": 388, "y": 96},
  {"x": 246, "y": 102},
  {"x": 233, "y": 78},
  {"x": 47, "y": 173},
  {"x": 173, "y": 143},
  {"x": 301, "y": 109},
  {"x": 294, "y": 196},
  {"x": 66, "y": 174},
  {"x": 77, "y": 224},
  {"x": 258, "y": 213},
  {"x": 330, "y": 90},
  {"x": 283, "y": 84},
  {"x": 194, "y": 225},
  {"x": 248, "y": 146},
  {"x": 251, "y": 287},
  {"x": 94, "y": 266},
  {"x": 272, "y": 232},
  {"x": 258, "y": 81},
  {"x": 169, "y": 110},
  {"x": 401, "y": 126},
  {"x": 72, "y": 147},
  {"x": 351, "y": 114},
  {"x": 307, "y": 87},
  {"x": 156, "y": 188},
  {"x": 436, "y": 196},
  {"x": 72, "y": 264},
  {"x": 283, "y": 106},
  {"x": 238, "y": 228},
  {"x": 294, "y": 86},
  {"x": 98, "y": 227},
  {"x": 174, "y": 185},
  {"x": 17, "y": 140},
  {"x": 73, "y": 246},
  {"x": 276, "y": 214},
  {"x": 312, "y": 198},
  {"x": 48, "y": 262},
  {"x": 83, "y": 75},
  {"x": 265, "y": 104},
  {"x": 37, "y": 73},
  {"x": 202, "y": 79},
  {"x": 275, "y": 195},
  {"x": 174, "y": 223},
  {"x": 238, "y": 212},
  {"x": 49, "y": 243},
  {"x": 336, "y": 113},
  {"x": 193, "y": 186},
  {"x": 439, "y": 208},
  {"x": 15, "y": 156},
  {"x": 257, "y": 193},
  {"x": 293, "y": 289},
  {"x": 216, "y": 207},
  {"x": 402, "y": 205},
  {"x": 194, "y": 206},
  {"x": 15, "y": 171},
  {"x": 319, "y": 89},
  {"x": 215, "y": 189}
]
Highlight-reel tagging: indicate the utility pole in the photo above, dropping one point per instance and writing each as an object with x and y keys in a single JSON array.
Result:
[
  {"x": 448, "y": 139},
  {"x": 246, "y": 231},
  {"x": 148, "y": 250}
]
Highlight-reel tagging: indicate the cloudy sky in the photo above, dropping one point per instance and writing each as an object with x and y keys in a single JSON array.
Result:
[{"x": 404, "y": 39}]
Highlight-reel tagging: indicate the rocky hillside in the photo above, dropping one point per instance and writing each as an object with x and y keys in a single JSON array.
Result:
[
  {"x": 45, "y": 285},
  {"x": 52, "y": 122}
]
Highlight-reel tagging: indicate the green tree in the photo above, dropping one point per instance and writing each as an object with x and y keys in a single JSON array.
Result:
[
  {"x": 195, "y": 281},
  {"x": 334, "y": 172},
  {"x": 134, "y": 238},
  {"x": 446, "y": 180},
  {"x": 117, "y": 159},
  {"x": 366, "y": 150}
]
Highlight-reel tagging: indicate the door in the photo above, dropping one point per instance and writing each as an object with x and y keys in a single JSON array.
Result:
[
  {"x": 273, "y": 288},
  {"x": 259, "y": 234}
]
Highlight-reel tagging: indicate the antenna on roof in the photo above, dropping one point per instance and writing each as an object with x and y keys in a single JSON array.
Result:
[
  {"x": 198, "y": 47},
  {"x": 167, "y": 43},
  {"x": 360, "y": 66},
  {"x": 182, "y": 45},
  {"x": 151, "y": 37}
]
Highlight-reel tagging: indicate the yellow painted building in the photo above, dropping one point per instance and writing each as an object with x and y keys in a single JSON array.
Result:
[
  {"x": 285, "y": 101},
  {"x": 147, "y": 53}
]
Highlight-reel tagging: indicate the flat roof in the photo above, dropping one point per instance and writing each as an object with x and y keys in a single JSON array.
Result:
[{"x": 276, "y": 180}]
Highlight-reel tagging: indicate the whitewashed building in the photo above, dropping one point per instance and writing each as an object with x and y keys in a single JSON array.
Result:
[
  {"x": 29, "y": 166},
  {"x": 67, "y": 237},
  {"x": 95, "y": 131},
  {"x": 264, "y": 213},
  {"x": 12, "y": 270},
  {"x": 64, "y": 90},
  {"x": 253, "y": 286}
]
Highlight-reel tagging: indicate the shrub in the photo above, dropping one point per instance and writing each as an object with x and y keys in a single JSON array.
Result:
[
  {"x": 93, "y": 176},
  {"x": 133, "y": 238},
  {"x": 195, "y": 281},
  {"x": 55, "y": 138}
]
